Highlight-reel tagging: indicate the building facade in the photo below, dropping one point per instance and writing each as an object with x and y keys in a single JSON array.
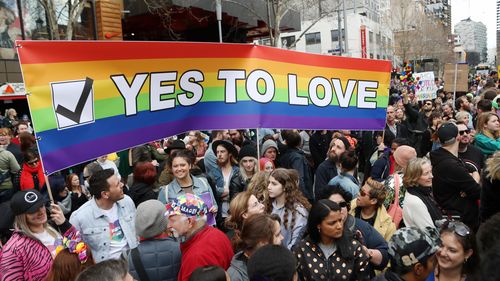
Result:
[{"x": 473, "y": 37}]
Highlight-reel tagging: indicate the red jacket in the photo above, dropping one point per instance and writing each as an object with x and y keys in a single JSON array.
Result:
[{"x": 209, "y": 246}]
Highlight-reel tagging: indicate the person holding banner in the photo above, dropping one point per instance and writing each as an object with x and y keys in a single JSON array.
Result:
[
  {"x": 31, "y": 174},
  {"x": 29, "y": 253},
  {"x": 180, "y": 163}
]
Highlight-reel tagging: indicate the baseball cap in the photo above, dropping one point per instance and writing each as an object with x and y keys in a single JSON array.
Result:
[
  {"x": 188, "y": 205},
  {"x": 27, "y": 202},
  {"x": 447, "y": 133},
  {"x": 409, "y": 245}
]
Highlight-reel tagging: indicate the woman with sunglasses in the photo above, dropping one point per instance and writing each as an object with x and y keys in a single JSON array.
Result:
[
  {"x": 488, "y": 137},
  {"x": 31, "y": 175},
  {"x": 330, "y": 252},
  {"x": 419, "y": 207},
  {"x": 456, "y": 257},
  {"x": 286, "y": 201}
]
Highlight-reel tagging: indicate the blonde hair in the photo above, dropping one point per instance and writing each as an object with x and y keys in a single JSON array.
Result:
[
  {"x": 493, "y": 167},
  {"x": 413, "y": 171},
  {"x": 244, "y": 174},
  {"x": 482, "y": 120},
  {"x": 377, "y": 191},
  {"x": 258, "y": 185},
  {"x": 21, "y": 225}
]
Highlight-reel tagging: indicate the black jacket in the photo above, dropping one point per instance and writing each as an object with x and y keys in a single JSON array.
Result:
[
  {"x": 318, "y": 145},
  {"x": 325, "y": 172},
  {"x": 490, "y": 198},
  {"x": 454, "y": 188},
  {"x": 296, "y": 159},
  {"x": 140, "y": 192}
]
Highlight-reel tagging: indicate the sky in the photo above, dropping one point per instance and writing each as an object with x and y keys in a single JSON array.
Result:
[{"x": 478, "y": 10}]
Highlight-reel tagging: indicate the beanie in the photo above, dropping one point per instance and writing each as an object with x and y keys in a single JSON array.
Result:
[
  {"x": 247, "y": 150},
  {"x": 268, "y": 144},
  {"x": 150, "y": 220}
]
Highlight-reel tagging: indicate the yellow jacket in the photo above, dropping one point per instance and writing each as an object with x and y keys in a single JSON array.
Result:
[{"x": 383, "y": 222}]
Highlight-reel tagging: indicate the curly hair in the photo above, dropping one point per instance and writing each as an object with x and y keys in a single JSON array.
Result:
[
  {"x": 293, "y": 195},
  {"x": 258, "y": 186}
]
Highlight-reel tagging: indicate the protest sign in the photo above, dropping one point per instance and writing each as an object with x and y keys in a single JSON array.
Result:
[
  {"x": 91, "y": 98},
  {"x": 425, "y": 87}
]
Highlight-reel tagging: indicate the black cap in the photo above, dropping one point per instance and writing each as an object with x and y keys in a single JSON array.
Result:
[
  {"x": 176, "y": 144},
  {"x": 248, "y": 150},
  {"x": 27, "y": 202},
  {"x": 447, "y": 133},
  {"x": 227, "y": 145}
]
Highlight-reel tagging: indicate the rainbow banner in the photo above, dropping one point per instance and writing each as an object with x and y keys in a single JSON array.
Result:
[{"x": 91, "y": 98}]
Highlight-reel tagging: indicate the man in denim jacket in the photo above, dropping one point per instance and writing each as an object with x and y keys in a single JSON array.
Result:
[{"x": 107, "y": 222}]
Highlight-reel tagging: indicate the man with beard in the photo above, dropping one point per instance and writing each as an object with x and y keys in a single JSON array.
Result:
[
  {"x": 330, "y": 168},
  {"x": 462, "y": 105},
  {"x": 201, "y": 244},
  {"x": 239, "y": 140},
  {"x": 470, "y": 154},
  {"x": 225, "y": 175},
  {"x": 107, "y": 221},
  {"x": 209, "y": 160},
  {"x": 448, "y": 113}
]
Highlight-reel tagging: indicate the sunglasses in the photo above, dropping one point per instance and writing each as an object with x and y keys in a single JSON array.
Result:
[
  {"x": 362, "y": 193},
  {"x": 458, "y": 227},
  {"x": 32, "y": 162},
  {"x": 342, "y": 204},
  {"x": 428, "y": 103},
  {"x": 463, "y": 132}
]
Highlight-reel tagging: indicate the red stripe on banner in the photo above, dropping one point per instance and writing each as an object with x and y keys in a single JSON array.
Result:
[{"x": 75, "y": 51}]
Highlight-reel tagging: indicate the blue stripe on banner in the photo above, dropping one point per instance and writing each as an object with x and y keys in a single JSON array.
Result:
[{"x": 55, "y": 140}]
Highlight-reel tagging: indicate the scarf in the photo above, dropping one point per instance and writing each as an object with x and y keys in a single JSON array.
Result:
[
  {"x": 27, "y": 175},
  {"x": 425, "y": 194}
]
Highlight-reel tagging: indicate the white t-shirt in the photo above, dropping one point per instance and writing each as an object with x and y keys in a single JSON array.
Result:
[
  {"x": 49, "y": 241},
  {"x": 118, "y": 243}
]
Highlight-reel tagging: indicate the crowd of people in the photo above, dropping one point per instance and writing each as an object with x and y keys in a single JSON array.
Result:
[{"x": 404, "y": 203}]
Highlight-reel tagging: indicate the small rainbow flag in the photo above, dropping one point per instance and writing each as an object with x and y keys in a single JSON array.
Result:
[{"x": 90, "y": 98}]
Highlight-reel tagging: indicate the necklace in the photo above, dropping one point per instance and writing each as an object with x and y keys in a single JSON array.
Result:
[{"x": 187, "y": 186}]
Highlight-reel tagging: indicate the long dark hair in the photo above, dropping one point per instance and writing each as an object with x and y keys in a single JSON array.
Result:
[{"x": 319, "y": 211}]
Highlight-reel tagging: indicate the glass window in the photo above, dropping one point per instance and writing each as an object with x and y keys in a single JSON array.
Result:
[
  {"x": 335, "y": 35},
  {"x": 313, "y": 42},
  {"x": 287, "y": 41},
  {"x": 370, "y": 36}
]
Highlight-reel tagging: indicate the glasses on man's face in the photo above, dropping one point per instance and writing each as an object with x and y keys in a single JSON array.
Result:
[
  {"x": 428, "y": 103},
  {"x": 463, "y": 132},
  {"x": 458, "y": 227}
]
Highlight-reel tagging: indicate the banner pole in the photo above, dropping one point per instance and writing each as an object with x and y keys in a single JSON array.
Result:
[{"x": 258, "y": 149}]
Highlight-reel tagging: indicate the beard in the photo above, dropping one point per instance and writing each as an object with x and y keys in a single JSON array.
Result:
[
  {"x": 333, "y": 157},
  {"x": 221, "y": 163}
]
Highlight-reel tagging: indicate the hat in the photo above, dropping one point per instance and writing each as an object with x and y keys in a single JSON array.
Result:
[
  {"x": 271, "y": 262},
  {"x": 409, "y": 245},
  {"x": 227, "y": 145},
  {"x": 404, "y": 154},
  {"x": 247, "y": 150},
  {"x": 188, "y": 205},
  {"x": 27, "y": 202},
  {"x": 268, "y": 144},
  {"x": 150, "y": 220},
  {"x": 346, "y": 142},
  {"x": 447, "y": 133},
  {"x": 176, "y": 144}
]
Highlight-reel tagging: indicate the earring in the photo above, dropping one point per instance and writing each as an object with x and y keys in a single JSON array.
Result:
[
  {"x": 465, "y": 260},
  {"x": 319, "y": 229}
]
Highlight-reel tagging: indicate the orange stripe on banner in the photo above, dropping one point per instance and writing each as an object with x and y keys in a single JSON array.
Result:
[{"x": 73, "y": 51}]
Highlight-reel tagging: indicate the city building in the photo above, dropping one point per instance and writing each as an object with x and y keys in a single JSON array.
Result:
[
  {"x": 440, "y": 10},
  {"x": 473, "y": 37},
  {"x": 366, "y": 36}
]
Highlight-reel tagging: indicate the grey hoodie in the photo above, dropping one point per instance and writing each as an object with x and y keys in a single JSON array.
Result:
[{"x": 8, "y": 163}]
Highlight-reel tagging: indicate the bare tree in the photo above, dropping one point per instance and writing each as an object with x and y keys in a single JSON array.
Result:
[{"x": 54, "y": 13}]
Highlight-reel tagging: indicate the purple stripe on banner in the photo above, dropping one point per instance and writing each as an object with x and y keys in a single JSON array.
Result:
[{"x": 72, "y": 155}]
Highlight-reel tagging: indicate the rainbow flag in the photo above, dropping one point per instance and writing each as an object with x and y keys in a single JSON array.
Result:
[{"x": 91, "y": 98}]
